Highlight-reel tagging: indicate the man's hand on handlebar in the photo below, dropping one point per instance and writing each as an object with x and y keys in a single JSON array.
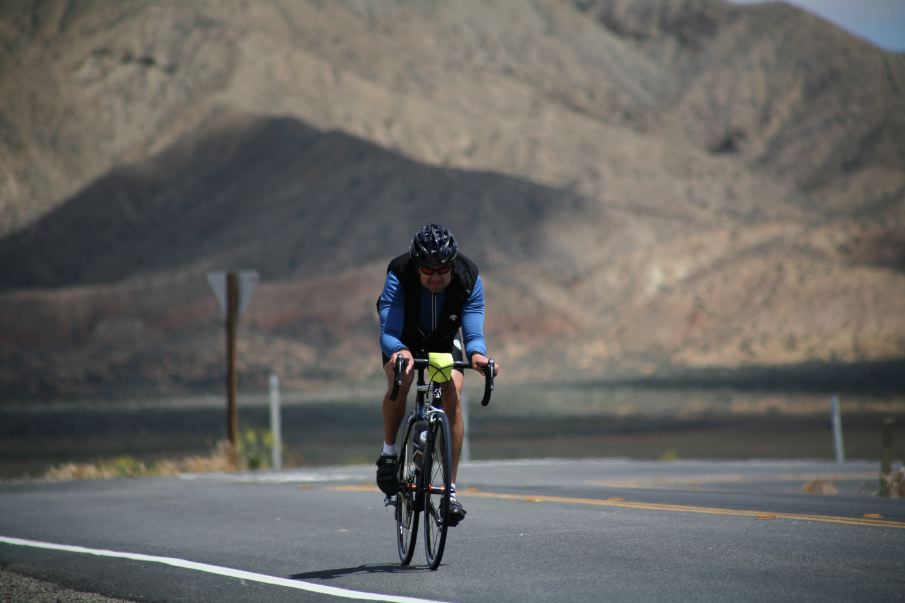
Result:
[
  {"x": 409, "y": 363},
  {"x": 403, "y": 358},
  {"x": 479, "y": 362}
]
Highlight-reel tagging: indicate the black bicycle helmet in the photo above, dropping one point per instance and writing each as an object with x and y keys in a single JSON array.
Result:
[{"x": 434, "y": 246}]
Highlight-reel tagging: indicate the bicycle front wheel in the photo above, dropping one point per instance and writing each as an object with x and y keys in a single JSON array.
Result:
[
  {"x": 437, "y": 486},
  {"x": 407, "y": 499}
]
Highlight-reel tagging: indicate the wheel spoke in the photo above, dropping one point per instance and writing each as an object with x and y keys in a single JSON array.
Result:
[
  {"x": 437, "y": 490},
  {"x": 406, "y": 511}
]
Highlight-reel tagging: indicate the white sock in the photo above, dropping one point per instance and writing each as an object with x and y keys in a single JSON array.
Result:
[
  {"x": 390, "y": 449},
  {"x": 452, "y": 490}
]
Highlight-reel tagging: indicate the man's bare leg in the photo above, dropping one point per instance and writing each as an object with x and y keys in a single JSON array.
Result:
[
  {"x": 452, "y": 405},
  {"x": 394, "y": 410}
]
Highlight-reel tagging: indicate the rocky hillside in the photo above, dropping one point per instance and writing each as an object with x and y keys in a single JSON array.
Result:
[{"x": 668, "y": 183}]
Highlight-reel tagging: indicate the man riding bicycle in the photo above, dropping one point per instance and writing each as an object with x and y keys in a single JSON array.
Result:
[{"x": 429, "y": 294}]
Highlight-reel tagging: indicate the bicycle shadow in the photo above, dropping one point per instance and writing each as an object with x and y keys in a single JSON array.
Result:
[{"x": 385, "y": 568}]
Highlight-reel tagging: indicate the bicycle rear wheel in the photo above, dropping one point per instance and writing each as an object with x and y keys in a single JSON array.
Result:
[
  {"x": 407, "y": 506},
  {"x": 437, "y": 485}
]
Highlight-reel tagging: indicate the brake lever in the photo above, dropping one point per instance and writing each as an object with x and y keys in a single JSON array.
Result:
[
  {"x": 488, "y": 382},
  {"x": 397, "y": 382}
]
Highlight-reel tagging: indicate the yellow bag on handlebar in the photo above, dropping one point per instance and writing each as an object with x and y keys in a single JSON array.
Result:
[{"x": 439, "y": 367}]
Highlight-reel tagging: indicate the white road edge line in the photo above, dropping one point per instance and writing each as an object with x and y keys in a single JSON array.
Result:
[{"x": 216, "y": 569}]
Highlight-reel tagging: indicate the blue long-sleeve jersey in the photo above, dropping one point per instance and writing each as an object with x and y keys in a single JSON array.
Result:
[{"x": 391, "y": 308}]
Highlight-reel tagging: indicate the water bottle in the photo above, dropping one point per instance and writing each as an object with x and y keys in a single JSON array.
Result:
[{"x": 419, "y": 439}]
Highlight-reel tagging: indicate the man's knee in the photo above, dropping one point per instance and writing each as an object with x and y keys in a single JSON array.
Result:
[
  {"x": 403, "y": 389},
  {"x": 452, "y": 400},
  {"x": 401, "y": 395}
]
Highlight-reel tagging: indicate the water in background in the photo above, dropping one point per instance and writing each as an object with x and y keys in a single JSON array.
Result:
[{"x": 523, "y": 421}]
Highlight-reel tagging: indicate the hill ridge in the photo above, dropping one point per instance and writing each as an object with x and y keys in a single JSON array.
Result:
[{"x": 646, "y": 185}]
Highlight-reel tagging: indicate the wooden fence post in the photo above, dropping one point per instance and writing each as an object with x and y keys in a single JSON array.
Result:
[{"x": 886, "y": 458}]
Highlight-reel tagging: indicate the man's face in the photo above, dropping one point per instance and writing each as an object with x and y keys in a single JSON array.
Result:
[{"x": 434, "y": 282}]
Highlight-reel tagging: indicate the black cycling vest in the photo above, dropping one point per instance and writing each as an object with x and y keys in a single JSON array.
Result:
[{"x": 449, "y": 320}]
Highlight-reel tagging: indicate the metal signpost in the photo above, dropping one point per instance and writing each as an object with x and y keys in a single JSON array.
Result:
[
  {"x": 837, "y": 431},
  {"x": 233, "y": 291},
  {"x": 275, "y": 427}
]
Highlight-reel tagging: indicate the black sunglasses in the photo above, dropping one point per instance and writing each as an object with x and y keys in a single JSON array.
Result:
[{"x": 429, "y": 271}]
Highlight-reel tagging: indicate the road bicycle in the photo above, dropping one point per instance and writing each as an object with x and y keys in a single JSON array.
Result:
[{"x": 425, "y": 457}]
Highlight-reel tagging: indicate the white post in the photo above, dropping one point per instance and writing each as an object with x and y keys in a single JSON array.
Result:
[
  {"x": 465, "y": 455},
  {"x": 837, "y": 431},
  {"x": 275, "y": 427}
]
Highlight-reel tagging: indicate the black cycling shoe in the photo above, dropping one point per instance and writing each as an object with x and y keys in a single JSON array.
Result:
[
  {"x": 386, "y": 474},
  {"x": 456, "y": 512}
]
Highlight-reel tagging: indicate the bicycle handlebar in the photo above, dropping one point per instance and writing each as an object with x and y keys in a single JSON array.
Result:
[{"x": 421, "y": 363}]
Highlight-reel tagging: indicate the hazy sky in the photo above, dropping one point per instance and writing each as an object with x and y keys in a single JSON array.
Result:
[{"x": 880, "y": 21}]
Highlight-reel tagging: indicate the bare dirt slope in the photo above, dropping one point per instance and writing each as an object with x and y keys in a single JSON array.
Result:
[{"x": 645, "y": 184}]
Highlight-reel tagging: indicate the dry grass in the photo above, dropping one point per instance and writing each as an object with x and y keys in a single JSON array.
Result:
[
  {"x": 252, "y": 452},
  {"x": 895, "y": 483},
  {"x": 821, "y": 487},
  {"x": 222, "y": 458}
]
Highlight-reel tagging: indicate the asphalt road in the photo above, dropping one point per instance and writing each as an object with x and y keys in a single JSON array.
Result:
[{"x": 535, "y": 531}]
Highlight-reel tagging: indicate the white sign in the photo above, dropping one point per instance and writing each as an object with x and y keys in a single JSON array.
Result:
[{"x": 248, "y": 280}]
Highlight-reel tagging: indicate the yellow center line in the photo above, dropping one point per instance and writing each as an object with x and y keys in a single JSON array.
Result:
[
  {"x": 625, "y": 504},
  {"x": 728, "y": 478}
]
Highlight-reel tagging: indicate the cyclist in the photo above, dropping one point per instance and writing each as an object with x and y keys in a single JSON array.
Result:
[{"x": 430, "y": 293}]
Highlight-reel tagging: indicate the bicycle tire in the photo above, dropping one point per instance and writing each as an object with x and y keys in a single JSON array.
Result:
[
  {"x": 437, "y": 478},
  {"x": 407, "y": 507}
]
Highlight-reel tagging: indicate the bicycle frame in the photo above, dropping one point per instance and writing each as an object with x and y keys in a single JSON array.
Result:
[
  {"x": 425, "y": 486},
  {"x": 427, "y": 407}
]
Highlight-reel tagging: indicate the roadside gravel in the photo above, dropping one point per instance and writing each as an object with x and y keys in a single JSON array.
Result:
[{"x": 16, "y": 588}]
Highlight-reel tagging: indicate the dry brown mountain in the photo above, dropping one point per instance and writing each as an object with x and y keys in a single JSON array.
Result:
[
  {"x": 646, "y": 184},
  {"x": 792, "y": 96},
  {"x": 135, "y": 246},
  {"x": 657, "y": 104},
  {"x": 281, "y": 196}
]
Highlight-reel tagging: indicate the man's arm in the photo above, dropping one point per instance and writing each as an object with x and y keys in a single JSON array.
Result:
[
  {"x": 391, "y": 308},
  {"x": 473, "y": 330},
  {"x": 473, "y": 322}
]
